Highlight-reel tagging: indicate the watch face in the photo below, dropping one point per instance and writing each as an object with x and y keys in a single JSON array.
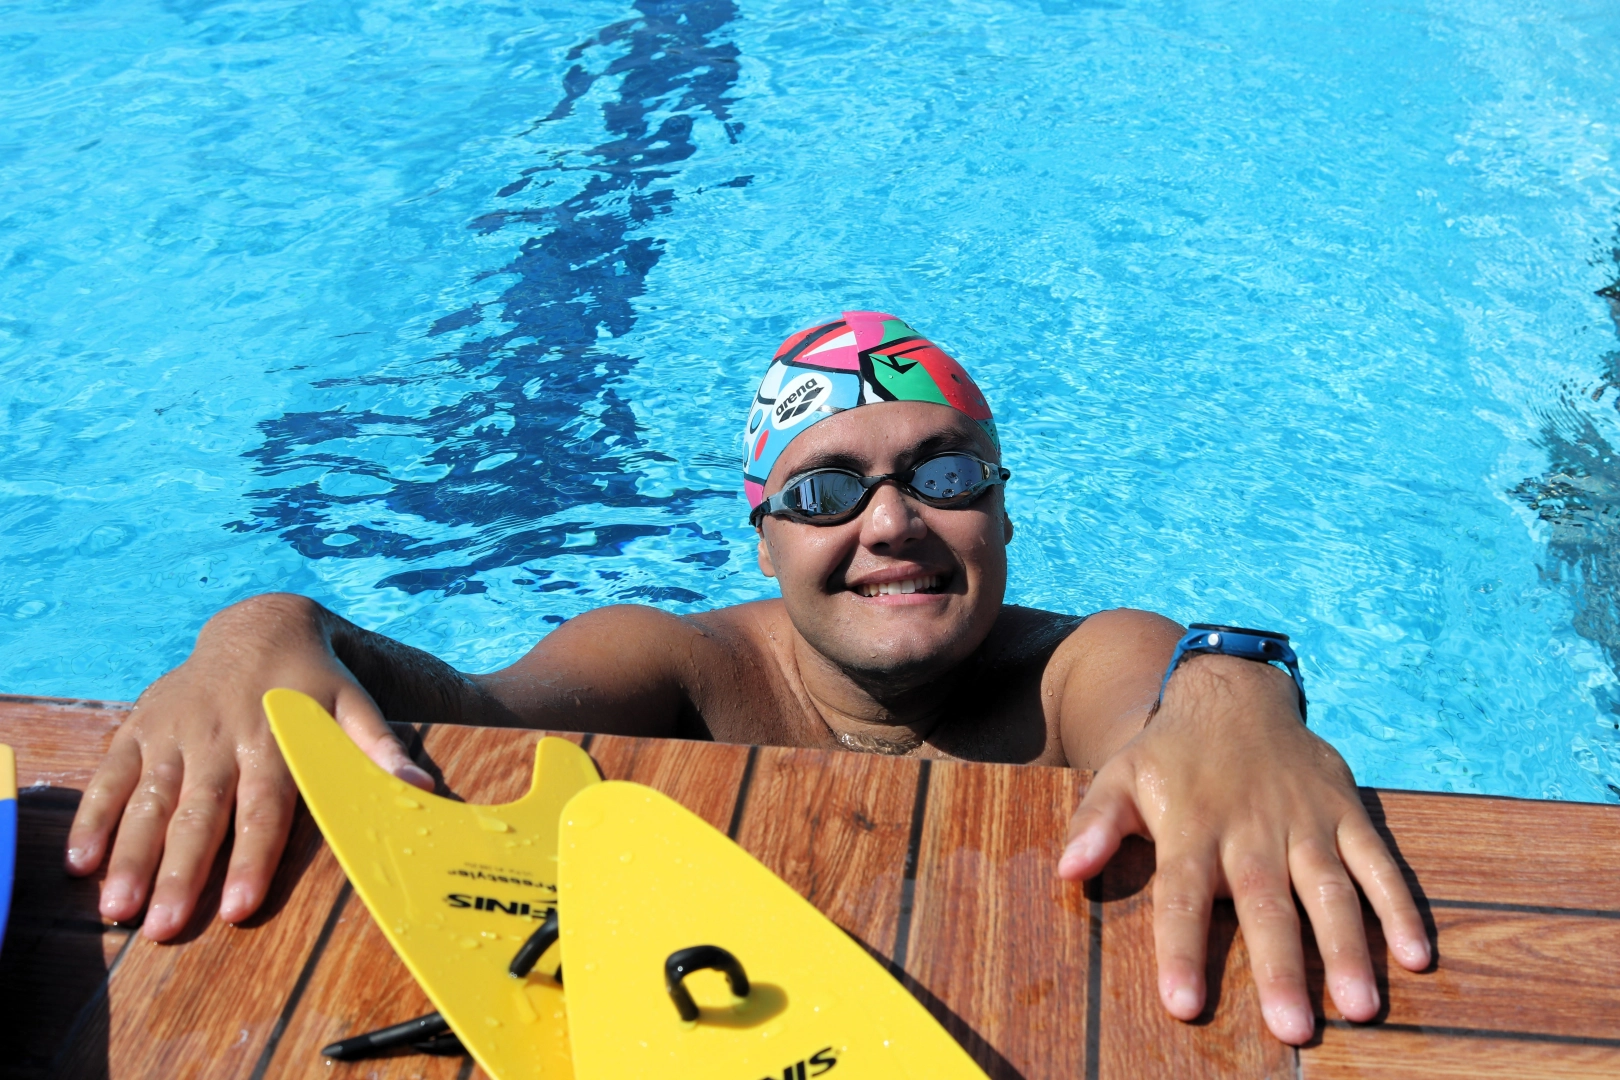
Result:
[{"x": 1238, "y": 630}]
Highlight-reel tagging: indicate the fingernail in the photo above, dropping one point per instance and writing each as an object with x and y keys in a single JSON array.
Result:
[
  {"x": 115, "y": 897},
  {"x": 1183, "y": 1001},
  {"x": 234, "y": 902},
  {"x": 1290, "y": 1023},
  {"x": 1081, "y": 851},
  {"x": 1415, "y": 952},
  {"x": 159, "y": 920},
  {"x": 76, "y": 856},
  {"x": 415, "y": 776},
  {"x": 1359, "y": 1000}
]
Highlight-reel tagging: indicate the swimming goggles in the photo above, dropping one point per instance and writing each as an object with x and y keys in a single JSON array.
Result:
[{"x": 833, "y": 496}]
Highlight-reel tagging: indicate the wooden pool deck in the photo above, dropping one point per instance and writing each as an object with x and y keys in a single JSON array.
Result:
[{"x": 946, "y": 869}]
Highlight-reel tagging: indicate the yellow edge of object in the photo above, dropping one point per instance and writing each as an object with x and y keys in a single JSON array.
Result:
[
  {"x": 8, "y": 773},
  {"x": 641, "y": 877},
  {"x": 455, "y": 888}
]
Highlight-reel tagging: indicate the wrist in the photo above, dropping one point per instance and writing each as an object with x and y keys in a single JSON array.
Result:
[{"x": 1256, "y": 651}]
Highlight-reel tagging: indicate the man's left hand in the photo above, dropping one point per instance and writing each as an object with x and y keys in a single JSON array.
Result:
[{"x": 1243, "y": 801}]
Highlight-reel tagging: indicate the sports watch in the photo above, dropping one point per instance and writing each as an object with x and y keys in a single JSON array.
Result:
[{"x": 1265, "y": 646}]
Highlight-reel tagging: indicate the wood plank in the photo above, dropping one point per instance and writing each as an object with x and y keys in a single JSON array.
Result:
[
  {"x": 208, "y": 1004},
  {"x": 836, "y": 827},
  {"x": 1501, "y": 971},
  {"x": 58, "y": 743},
  {"x": 703, "y": 777},
  {"x": 1136, "y": 1036},
  {"x": 999, "y": 945},
  {"x": 1510, "y": 851},
  {"x": 1357, "y": 1053},
  {"x": 358, "y": 983}
]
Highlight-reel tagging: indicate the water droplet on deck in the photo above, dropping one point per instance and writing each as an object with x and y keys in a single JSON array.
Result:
[
  {"x": 407, "y": 851},
  {"x": 492, "y": 1022},
  {"x": 469, "y": 943},
  {"x": 407, "y": 802},
  {"x": 493, "y": 824},
  {"x": 421, "y": 830}
]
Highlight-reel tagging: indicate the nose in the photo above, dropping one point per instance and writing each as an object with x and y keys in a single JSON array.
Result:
[{"x": 891, "y": 521}]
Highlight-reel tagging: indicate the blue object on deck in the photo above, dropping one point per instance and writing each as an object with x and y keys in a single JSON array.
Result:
[{"x": 8, "y": 833}]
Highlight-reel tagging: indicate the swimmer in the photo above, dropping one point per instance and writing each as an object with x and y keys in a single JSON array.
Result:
[{"x": 873, "y": 469}]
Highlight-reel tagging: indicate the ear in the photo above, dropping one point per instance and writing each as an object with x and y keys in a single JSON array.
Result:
[
  {"x": 1007, "y": 528},
  {"x": 766, "y": 566}
]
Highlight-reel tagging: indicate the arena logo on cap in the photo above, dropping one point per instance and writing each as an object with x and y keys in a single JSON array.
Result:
[{"x": 798, "y": 397}]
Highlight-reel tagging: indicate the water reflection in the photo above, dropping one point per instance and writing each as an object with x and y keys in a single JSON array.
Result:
[{"x": 1579, "y": 499}]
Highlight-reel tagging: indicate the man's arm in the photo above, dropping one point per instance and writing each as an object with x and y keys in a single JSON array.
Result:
[
  {"x": 1242, "y": 800},
  {"x": 197, "y": 741}
]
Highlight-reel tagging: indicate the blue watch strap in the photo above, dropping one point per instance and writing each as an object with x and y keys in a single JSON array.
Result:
[{"x": 1264, "y": 646}]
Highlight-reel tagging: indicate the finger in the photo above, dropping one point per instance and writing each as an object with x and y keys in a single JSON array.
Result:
[
  {"x": 265, "y": 801},
  {"x": 139, "y": 845},
  {"x": 1183, "y": 891},
  {"x": 1334, "y": 908},
  {"x": 358, "y": 715},
  {"x": 196, "y": 829},
  {"x": 1106, "y": 816},
  {"x": 1270, "y": 922},
  {"x": 102, "y": 805},
  {"x": 1364, "y": 853}
]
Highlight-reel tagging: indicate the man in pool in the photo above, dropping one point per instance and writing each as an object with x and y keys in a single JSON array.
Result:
[{"x": 873, "y": 468}]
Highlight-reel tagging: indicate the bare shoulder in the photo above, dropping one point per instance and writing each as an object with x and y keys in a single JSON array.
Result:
[
  {"x": 1105, "y": 677},
  {"x": 1121, "y": 638}
]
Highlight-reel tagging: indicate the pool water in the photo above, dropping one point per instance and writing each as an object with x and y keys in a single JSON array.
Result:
[{"x": 447, "y": 315}]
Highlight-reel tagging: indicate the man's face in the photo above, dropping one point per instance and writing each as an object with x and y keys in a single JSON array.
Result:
[{"x": 955, "y": 560}]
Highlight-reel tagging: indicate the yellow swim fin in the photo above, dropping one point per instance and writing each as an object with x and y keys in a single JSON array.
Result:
[
  {"x": 642, "y": 879},
  {"x": 455, "y": 888}
]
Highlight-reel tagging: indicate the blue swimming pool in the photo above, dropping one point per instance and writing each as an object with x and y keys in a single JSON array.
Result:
[{"x": 1288, "y": 312}]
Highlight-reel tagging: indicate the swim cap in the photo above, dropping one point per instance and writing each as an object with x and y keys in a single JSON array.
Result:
[{"x": 861, "y": 359}]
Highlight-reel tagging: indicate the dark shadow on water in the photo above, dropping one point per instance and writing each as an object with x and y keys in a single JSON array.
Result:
[
  {"x": 1579, "y": 500},
  {"x": 541, "y": 374}
]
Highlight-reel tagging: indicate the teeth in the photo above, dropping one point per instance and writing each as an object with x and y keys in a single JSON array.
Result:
[{"x": 900, "y": 588}]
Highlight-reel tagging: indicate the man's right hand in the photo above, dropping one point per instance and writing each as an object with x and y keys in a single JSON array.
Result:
[{"x": 196, "y": 741}]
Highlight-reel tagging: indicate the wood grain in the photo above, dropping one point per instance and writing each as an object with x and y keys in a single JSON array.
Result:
[
  {"x": 1138, "y": 1037},
  {"x": 836, "y": 828},
  {"x": 703, "y": 777},
  {"x": 1505, "y": 851},
  {"x": 207, "y": 1004},
  {"x": 997, "y": 940},
  {"x": 993, "y": 942},
  {"x": 1501, "y": 971},
  {"x": 1382, "y": 1054},
  {"x": 58, "y": 743},
  {"x": 358, "y": 983}
]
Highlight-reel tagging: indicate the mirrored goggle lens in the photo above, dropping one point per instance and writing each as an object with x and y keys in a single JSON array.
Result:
[
  {"x": 948, "y": 477},
  {"x": 826, "y": 494}
]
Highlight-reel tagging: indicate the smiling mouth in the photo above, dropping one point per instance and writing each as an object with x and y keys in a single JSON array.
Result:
[{"x": 928, "y": 583}]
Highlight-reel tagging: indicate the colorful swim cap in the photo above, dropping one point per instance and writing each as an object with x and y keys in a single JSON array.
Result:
[{"x": 861, "y": 359}]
